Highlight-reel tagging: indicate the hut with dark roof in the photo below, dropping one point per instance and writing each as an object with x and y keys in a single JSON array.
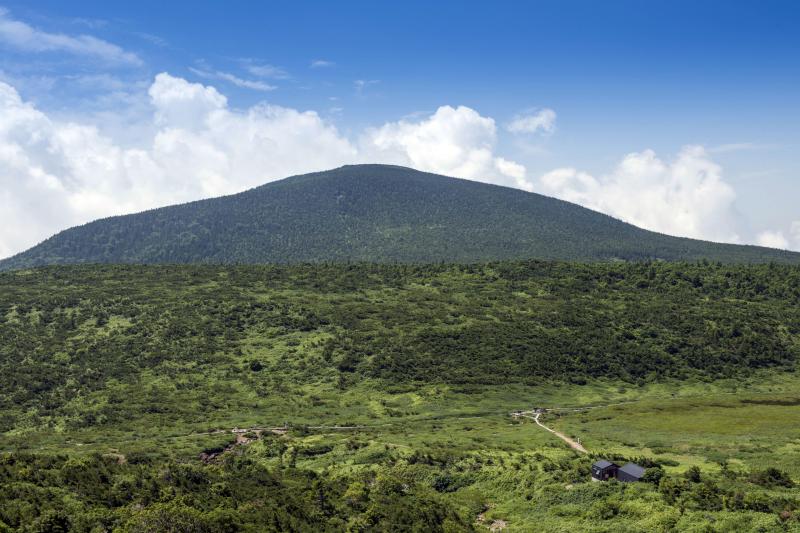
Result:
[
  {"x": 603, "y": 470},
  {"x": 630, "y": 472}
]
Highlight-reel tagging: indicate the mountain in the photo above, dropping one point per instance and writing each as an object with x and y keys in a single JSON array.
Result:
[{"x": 375, "y": 213}]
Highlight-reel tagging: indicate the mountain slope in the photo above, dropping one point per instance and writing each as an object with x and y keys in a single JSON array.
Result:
[{"x": 372, "y": 213}]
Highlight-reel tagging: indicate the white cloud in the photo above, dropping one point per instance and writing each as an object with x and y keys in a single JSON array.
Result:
[
  {"x": 57, "y": 174},
  {"x": 181, "y": 104},
  {"x": 22, "y": 36},
  {"x": 686, "y": 197},
  {"x": 533, "y": 121},
  {"x": 453, "y": 141},
  {"x": 515, "y": 171},
  {"x": 190, "y": 144},
  {"x": 777, "y": 239},
  {"x": 235, "y": 80},
  {"x": 264, "y": 70},
  {"x": 321, "y": 63},
  {"x": 772, "y": 239}
]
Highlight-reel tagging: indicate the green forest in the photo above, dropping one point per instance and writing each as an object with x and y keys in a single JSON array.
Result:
[
  {"x": 376, "y": 396},
  {"x": 376, "y": 213}
]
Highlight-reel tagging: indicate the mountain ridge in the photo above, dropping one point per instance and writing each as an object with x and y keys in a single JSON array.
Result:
[{"x": 376, "y": 213}]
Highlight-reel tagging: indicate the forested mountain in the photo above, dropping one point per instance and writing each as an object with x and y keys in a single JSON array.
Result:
[{"x": 376, "y": 213}]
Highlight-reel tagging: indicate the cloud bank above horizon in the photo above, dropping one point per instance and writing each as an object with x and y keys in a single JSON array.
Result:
[{"x": 57, "y": 173}]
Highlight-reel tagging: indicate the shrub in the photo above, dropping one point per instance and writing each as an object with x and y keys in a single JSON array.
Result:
[
  {"x": 693, "y": 474},
  {"x": 653, "y": 475},
  {"x": 771, "y": 477}
]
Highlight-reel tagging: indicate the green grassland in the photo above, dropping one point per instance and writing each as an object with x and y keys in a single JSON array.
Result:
[
  {"x": 396, "y": 384},
  {"x": 463, "y": 452},
  {"x": 758, "y": 430}
]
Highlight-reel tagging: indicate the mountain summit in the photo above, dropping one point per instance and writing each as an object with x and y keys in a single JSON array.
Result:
[{"x": 377, "y": 213}]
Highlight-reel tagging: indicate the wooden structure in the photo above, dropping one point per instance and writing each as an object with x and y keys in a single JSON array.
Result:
[
  {"x": 603, "y": 470},
  {"x": 630, "y": 472}
]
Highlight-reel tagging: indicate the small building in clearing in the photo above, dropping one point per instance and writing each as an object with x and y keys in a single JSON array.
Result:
[
  {"x": 630, "y": 472},
  {"x": 603, "y": 470}
]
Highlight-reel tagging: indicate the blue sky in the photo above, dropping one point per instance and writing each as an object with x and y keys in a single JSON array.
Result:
[{"x": 690, "y": 108}]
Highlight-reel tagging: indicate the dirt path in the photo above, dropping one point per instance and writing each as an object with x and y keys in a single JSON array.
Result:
[{"x": 572, "y": 443}]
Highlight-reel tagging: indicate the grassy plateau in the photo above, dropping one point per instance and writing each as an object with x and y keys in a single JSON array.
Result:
[{"x": 379, "y": 397}]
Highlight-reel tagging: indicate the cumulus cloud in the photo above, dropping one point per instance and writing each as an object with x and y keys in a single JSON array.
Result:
[
  {"x": 192, "y": 144},
  {"x": 19, "y": 35},
  {"x": 179, "y": 103},
  {"x": 57, "y": 174},
  {"x": 687, "y": 196},
  {"x": 533, "y": 121},
  {"x": 777, "y": 238},
  {"x": 456, "y": 141},
  {"x": 321, "y": 63},
  {"x": 773, "y": 239},
  {"x": 513, "y": 170}
]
